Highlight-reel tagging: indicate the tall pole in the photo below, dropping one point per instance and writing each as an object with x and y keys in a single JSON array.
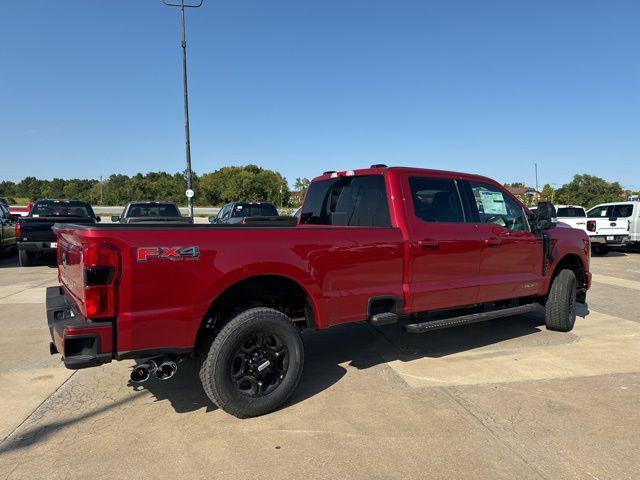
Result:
[
  {"x": 187, "y": 137},
  {"x": 536, "y": 164}
]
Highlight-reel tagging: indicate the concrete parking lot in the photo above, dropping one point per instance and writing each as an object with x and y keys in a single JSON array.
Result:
[{"x": 504, "y": 399}]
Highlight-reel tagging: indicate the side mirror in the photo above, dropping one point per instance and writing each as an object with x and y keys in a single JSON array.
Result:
[
  {"x": 115, "y": 218},
  {"x": 545, "y": 216},
  {"x": 98, "y": 218},
  {"x": 213, "y": 219}
]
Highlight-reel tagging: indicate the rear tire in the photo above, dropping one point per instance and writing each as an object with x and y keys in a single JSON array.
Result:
[
  {"x": 599, "y": 250},
  {"x": 25, "y": 258},
  {"x": 254, "y": 363},
  {"x": 560, "y": 307}
]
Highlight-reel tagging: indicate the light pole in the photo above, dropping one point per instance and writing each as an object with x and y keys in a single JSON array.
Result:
[{"x": 182, "y": 6}]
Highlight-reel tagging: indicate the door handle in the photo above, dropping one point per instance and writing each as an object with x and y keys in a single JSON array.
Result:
[
  {"x": 428, "y": 244},
  {"x": 492, "y": 242}
]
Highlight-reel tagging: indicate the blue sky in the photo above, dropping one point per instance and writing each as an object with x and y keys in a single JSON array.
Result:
[{"x": 89, "y": 88}]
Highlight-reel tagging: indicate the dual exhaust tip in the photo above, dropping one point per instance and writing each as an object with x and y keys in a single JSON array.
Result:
[{"x": 163, "y": 368}]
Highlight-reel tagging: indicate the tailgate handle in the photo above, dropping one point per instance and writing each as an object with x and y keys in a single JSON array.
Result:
[
  {"x": 492, "y": 242},
  {"x": 428, "y": 244}
]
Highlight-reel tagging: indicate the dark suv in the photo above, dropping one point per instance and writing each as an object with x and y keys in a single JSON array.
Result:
[
  {"x": 150, "y": 211},
  {"x": 238, "y": 212}
]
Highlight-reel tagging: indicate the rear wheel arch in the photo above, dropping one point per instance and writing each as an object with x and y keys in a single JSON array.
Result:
[{"x": 276, "y": 291}]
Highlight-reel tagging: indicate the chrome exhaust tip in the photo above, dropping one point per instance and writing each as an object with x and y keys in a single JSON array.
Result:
[
  {"x": 141, "y": 373},
  {"x": 166, "y": 370}
]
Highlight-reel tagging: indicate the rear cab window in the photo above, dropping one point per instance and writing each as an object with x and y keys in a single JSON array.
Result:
[
  {"x": 347, "y": 201},
  {"x": 61, "y": 208},
  {"x": 254, "y": 210},
  {"x": 567, "y": 212},
  {"x": 153, "y": 210}
]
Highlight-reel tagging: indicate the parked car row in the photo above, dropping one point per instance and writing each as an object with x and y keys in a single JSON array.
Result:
[
  {"x": 33, "y": 236},
  {"x": 608, "y": 225}
]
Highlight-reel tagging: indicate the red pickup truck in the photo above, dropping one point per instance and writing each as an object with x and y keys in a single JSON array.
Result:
[{"x": 379, "y": 245}]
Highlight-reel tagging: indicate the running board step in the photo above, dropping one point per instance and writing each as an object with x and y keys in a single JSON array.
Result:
[
  {"x": 468, "y": 319},
  {"x": 386, "y": 318}
]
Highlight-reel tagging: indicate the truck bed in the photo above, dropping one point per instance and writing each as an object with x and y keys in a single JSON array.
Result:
[{"x": 162, "y": 301}]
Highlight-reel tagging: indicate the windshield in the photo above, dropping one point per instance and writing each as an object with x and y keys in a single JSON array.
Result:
[
  {"x": 61, "y": 208},
  {"x": 153, "y": 210},
  {"x": 571, "y": 212},
  {"x": 254, "y": 210}
]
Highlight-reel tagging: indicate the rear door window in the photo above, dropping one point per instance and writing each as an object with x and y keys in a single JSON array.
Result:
[
  {"x": 611, "y": 211},
  {"x": 347, "y": 201},
  {"x": 621, "y": 211},
  {"x": 436, "y": 200}
]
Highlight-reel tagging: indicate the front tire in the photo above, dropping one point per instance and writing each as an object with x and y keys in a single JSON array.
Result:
[
  {"x": 560, "y": 307},
  {"x": 254, "y": 363},
  {"x": 25, "y": 258},
  {"x": 599, "y": 250}
]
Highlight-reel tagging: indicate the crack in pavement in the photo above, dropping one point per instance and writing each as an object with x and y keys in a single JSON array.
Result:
[
  {"x": 8, "y": 436},
  {"x": 465, "y": 405}
]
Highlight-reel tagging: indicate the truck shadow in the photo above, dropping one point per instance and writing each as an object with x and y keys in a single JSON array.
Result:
[
  {"x": 329, "y": 353},
  {"x": 184, "y": 391},
  {"x": 10, "y": 260}
]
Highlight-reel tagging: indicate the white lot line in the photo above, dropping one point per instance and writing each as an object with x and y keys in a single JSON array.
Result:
[
  {"x": 616, "y": 282},
  {"x": 599, "y": 344}
]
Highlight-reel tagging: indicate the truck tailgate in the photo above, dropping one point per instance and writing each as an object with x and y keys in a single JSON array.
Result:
[
  {"x": 607, "y": 226},
  {"x": 70, "y": 266}
]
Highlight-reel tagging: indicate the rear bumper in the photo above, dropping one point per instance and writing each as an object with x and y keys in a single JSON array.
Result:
[
  {"x": 37, "y": 246},
  {"x": 613, "y": 240},
  {"x": 81, "y": 342}
]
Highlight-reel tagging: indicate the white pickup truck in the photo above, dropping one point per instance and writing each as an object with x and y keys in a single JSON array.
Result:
[
  {"x": 573, "y": 215},
  {"x": 613, "y": 224}
]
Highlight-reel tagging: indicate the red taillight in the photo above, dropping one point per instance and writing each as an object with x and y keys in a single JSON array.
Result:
[
  {"x": 101, "y": 272},
  {"x": 18, "y": 229},
  {"x": 591, "y": 225},
  {"x": 100, "y": 302}
]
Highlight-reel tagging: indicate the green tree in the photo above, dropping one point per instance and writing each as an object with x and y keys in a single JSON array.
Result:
[
  {"x": 588, "y": 190},
  {"x": 7, "y": 188},
  {"x": 54, "y": 188},
  {"x": 244, "y": 183},
  {"x": 547, "y": 193},
  {"x": 301, "y": 184},
  {"x": 30, "y": 187}
]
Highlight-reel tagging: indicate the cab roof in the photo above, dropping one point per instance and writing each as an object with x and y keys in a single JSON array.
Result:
[{"x": 381, "y": 170}]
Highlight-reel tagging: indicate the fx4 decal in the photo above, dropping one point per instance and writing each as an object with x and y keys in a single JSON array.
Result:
[{"x": 167, "y": 253}]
